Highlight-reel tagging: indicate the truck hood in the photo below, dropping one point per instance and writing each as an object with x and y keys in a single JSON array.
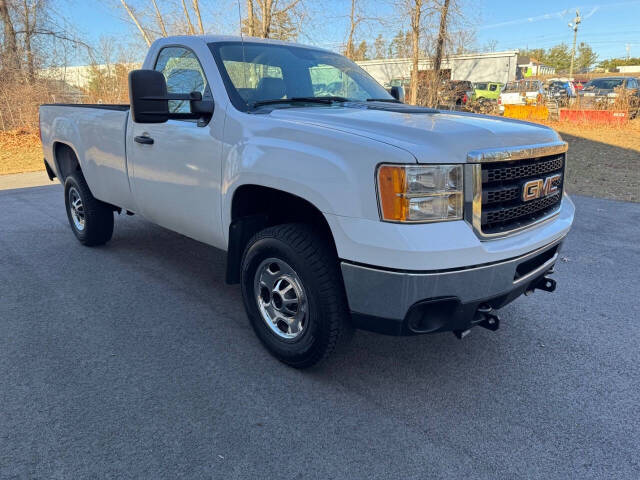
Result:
[{"x": 430, "y": 136}]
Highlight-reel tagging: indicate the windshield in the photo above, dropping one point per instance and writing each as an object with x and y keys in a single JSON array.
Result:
[
  {"x": 604, "y": 83},
  {"x": 260, "y": 72}
]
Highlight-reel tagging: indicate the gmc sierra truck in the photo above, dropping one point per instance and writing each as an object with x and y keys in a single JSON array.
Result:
[{"x": 338, "y": 205}]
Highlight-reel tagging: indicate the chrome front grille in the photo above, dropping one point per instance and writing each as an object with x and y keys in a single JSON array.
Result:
[
  {"x": 499, "y": 207},
  {"x": 503, "y": 208}
]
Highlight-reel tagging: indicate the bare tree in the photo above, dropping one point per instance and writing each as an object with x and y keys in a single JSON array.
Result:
[
  {"x": 354, "y": 20},
  {"x": 159, "y": 19},
  {"x": 416, "y": 8},
  {"x": 143, "y": 32},
  {"x": 251, "y": 21},
  {"x": 188, "y": 19},
  {"x": 442, "y": 32},
  {"x": 154, "y": 18},
  {"x": 490, "y": 46},
  {"x": 272, "y": 19},
  {"x": 29, "y": 18},
  {"x": 196, "y": 8},
  {"x": 10, "y": 57}
]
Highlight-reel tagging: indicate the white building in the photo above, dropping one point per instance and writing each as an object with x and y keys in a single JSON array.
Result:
[
  {"x": 629, "y": 69},
  {"x": 79, "y": 76},
  {"x": 475, "y": 67}
]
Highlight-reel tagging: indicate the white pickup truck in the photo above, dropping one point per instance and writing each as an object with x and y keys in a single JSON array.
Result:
[{"x": 338, "y": 205}]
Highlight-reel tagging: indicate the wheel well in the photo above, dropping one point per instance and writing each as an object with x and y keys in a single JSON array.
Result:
[
  {"x": 255, "y": 207},
  {"x": 66, "y": 159}
]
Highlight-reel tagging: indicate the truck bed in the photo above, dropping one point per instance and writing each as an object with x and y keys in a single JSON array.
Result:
[{"x": 97, "y": 135}]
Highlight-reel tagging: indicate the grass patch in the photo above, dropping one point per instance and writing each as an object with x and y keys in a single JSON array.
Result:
[
  {"x": 603, "y": 161},
  {"x": 20, "y": 151}
]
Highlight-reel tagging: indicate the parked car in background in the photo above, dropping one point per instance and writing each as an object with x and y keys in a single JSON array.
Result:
[
  {"x": 560, "y": 88},
  {"x": 521, "y": 92},
  {"x": 486, "y": 91},
  {"x": 456, "y": 92},
  {"x": 609, "y": 87},
  {"x": 605, "y": 92}
]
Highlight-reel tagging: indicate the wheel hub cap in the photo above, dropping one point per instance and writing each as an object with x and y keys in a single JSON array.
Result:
[
  {"x": 281, "y": 298},
  {"x": 76, "y": 208}
]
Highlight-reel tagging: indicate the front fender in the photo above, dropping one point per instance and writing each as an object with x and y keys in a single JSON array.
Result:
[{"x": 334, "y": 171}]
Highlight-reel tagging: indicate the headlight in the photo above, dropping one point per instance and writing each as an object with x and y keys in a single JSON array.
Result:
[{"x": 420, "y": 193}]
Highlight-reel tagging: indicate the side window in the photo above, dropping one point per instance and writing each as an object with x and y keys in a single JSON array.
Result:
[
  {"x": 183, "y": 74},
  {"x": 493, "y": 87}
]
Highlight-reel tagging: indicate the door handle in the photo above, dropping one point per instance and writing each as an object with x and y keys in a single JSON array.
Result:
[{"x": 144, "y": 140}]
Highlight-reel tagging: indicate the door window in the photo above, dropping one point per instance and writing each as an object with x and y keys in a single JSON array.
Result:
[
  {"x": 183, "y": 73},
  {"x": 493, "y": 87}
]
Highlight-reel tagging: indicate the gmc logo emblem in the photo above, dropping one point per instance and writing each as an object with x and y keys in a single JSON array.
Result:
[{"x": 541, "y": 188}]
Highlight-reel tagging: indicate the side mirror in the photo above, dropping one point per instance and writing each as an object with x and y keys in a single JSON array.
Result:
[
  {"x": 147, "y": 96},
  {"x": 397, "y": 93},
  {"x": 150, "y": 101}
]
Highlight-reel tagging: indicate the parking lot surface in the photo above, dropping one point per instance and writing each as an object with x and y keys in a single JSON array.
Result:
[{"x": 135, "y": 360}]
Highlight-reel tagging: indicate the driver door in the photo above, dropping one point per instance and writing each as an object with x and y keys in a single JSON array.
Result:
[{"x": 176, "y": 170}]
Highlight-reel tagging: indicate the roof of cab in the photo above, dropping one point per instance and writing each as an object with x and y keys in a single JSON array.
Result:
[{"x": 186, "y": 39}]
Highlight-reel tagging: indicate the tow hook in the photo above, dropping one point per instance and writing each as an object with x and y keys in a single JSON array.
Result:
[
  {"x": 547, "y": 284},
  {"x": 544, "y": 283},
  {"x": 491, "y": 320}
]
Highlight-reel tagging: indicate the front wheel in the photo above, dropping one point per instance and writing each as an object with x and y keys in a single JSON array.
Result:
[{"x": 293, "y": 293}]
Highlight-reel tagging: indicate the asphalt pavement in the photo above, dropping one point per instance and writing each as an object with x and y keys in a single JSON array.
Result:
[{"x": 135, "y": 360}]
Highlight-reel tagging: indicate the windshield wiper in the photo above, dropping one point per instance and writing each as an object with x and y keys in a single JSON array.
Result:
[
  {"x": 323, "y": 100},
  {"x": 389, "y": 100}
]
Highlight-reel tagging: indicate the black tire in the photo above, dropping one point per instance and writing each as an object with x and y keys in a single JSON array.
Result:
[
  {"x": 317, "y": 269},
  {"x": 96, "y": 217}
]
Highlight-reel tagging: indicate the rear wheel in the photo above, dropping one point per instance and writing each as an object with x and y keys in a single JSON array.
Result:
[
  {"x": 91, "y": 220},
  {"x": 293, "y": 293}
]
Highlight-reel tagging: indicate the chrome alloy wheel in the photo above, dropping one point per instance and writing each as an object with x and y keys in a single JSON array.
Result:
[
  {"x": 76, "y": 208},
  {"x": 281, "y": 298}
]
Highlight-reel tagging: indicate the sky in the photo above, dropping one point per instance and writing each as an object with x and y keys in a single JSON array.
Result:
[{"x": 608, "y": 26}]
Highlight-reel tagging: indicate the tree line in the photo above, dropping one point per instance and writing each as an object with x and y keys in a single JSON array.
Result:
[{"x": 559, "y": 56}]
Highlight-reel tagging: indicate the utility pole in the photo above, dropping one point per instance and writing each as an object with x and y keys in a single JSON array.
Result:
[{"x": 574, "y": 25}]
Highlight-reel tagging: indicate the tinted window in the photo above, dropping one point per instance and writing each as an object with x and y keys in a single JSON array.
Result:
[
  {"x": 183, "y": 74},
  {"x": 604, "y": 83},
  {"x": 481, "y": 86},
  {"x": 493, "y": 87},
  {"x": 255, "y": 72}
]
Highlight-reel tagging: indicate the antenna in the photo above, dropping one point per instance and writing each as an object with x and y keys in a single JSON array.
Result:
[
  {"x": 244, "y": 61},
  {"x": 240, "y": 20}
]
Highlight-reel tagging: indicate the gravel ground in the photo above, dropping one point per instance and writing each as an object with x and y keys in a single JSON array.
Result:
[
  {"x": 603, "y": 162},
  {"x": 135, "y": 360}
]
